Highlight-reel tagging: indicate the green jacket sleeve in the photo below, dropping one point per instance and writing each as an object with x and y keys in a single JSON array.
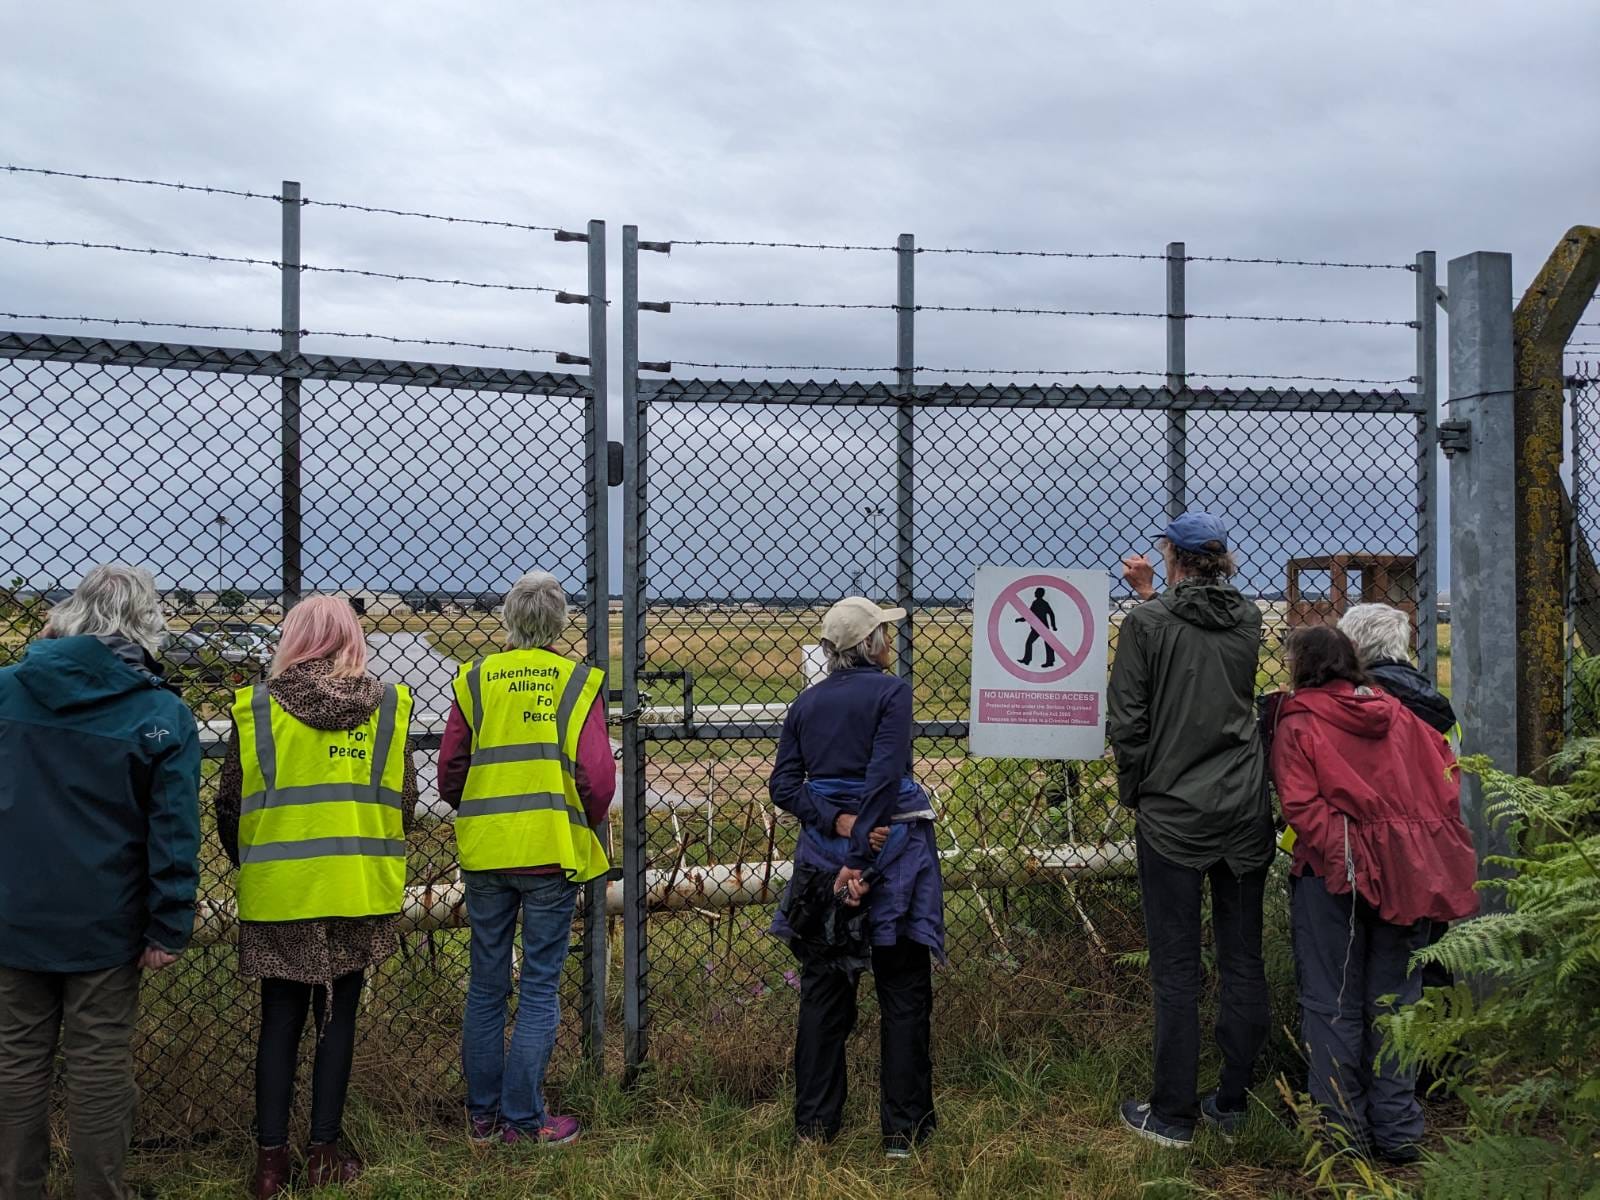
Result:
[
  {"x": 173, "y": 841},
  {"x": 1128, "y": 711}
]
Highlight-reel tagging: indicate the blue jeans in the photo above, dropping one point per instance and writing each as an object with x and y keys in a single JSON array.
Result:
[{"x": 511, "y": 1085}]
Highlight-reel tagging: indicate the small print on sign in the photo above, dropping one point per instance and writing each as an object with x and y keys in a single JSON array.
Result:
[{"x": 1039, "y": 662}]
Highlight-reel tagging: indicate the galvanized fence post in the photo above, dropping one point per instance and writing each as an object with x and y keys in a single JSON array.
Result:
[
  {"x": 289, "y": 440},
  {"x": 635, "y": 910},
  {"x": 1177, "y": 383},
  {"x": 905, "y": 447},
  {"x": 1483, "y": 485},
  {"x": 597, "y": 589},
  {"x": 1427, "y": 385}
]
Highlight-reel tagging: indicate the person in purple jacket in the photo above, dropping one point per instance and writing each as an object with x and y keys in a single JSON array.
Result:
[{"x": 844, "y": 770}]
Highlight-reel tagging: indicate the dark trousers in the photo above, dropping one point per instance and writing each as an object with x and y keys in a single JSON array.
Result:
[
  {"x": 284, "y": 1004},
  {"x": 1347, "y": 961},
  {"x": 91, "y": 1016},
  {"x": 1172, "y": 897},
  {"x": 903, "y": 976}
]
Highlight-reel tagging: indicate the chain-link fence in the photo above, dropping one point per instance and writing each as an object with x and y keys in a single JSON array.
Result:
[
  {"x": 244, "y": 478},
  {"x": 1583, "y": 597},
  {"x": 754, "y": 495},
  {"x": 755, "y": 501}
]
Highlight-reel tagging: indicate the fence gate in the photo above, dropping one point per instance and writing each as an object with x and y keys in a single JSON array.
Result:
[
  {"x": 751, "y": 503},
  {"x": 243, "y": 479}
]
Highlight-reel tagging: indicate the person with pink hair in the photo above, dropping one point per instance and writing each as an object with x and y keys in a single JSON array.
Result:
[{"x": 317, "y": 795}]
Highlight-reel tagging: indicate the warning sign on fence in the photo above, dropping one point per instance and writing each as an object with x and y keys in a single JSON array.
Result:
[{"x": 1039, "y": 662}]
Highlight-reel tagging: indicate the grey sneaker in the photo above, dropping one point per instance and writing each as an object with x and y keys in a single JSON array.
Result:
[
  {"x": 1139, "y": 1117},
  {"x": 1226, "y": 1121}
]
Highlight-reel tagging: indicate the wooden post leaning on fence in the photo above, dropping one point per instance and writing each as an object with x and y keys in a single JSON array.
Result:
[{"x": 1542, "y": 323}]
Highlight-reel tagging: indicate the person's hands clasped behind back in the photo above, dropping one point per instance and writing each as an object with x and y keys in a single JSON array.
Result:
[{"x": 155, "y": 959}]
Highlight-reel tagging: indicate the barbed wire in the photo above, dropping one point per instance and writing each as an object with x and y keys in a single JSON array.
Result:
[
  {"x": 428, "y": 216},
  {"x": 305, "y": 333},
  {"x": 267, "y": 262},
  {"x": 1301, "y": 262},
  {"x": 384, "y": 337},
  {"x": 1082, "y": 254},
  {"x": 160, "y": 183},
  {"x": 1042, "y": 312},
  {"x": 11, "y": 316},
  {"x": 1038, "y": 253},
  {"x": 305, "y": 200},
  {"x": 775, "y": 245},
  {"x": 723, "y": 366},
  {"x": 1040, "y": 371},
  {"x": 227, "y": 258}
]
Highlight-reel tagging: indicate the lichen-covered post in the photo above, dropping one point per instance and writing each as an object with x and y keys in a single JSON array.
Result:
[{"x": 1542, "y": 323}]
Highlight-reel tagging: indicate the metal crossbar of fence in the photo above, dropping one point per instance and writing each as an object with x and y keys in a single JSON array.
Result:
[{"x": 751, "y": 500}]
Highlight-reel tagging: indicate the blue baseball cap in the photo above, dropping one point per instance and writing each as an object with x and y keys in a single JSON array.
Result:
[{"x": 1196, "y": 531}]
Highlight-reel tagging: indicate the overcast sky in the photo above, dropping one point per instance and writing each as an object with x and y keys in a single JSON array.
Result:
[{"x": 1349, "y": 131}]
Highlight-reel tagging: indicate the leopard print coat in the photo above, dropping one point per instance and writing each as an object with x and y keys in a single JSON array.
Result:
[{"x": 317, "y": 951}]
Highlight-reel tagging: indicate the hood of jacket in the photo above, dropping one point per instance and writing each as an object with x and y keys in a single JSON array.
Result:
[
  {"x": 1208, "y": 605},
  {"x": 1411, "y": 687},
  {"x": 312, "y": 694},
  {"x": 1363, "y": 712},
  {"x": 69, "y": 673}
]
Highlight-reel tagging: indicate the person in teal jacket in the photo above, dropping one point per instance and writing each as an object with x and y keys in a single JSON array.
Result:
[{"x": 99, "y": 839}]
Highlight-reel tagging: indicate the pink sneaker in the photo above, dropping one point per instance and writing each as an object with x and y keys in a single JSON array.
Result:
[{"x": 556, "y": 1131}]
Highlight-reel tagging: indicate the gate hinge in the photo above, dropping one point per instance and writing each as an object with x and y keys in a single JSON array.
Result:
[{"x": 1455, "y": 436}]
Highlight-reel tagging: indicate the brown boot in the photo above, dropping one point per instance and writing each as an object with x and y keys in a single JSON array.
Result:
[
  {"x": 272, "y": 1172},
  {"x": 327, "y": 1163}
]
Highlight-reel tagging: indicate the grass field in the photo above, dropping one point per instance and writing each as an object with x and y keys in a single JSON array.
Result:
[{"x": 1032, "y": 1055}]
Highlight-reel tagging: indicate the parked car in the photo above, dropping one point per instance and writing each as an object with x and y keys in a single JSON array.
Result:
[
  {"x": 233, "y": 658},
  {"x": 268, "y": 633}
]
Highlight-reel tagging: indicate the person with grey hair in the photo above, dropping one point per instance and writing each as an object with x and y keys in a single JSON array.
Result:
[
  {"x": 526, "y": 764},
  {"x": 866, "y": 841},
  {"x": 99, "y": 841},
  {"x": 1381, "y": 634}
]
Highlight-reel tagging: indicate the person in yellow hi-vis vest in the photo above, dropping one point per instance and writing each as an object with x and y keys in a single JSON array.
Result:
[
  {"x": 316, "y": 797},
  {"x": 526, "y": 763}
]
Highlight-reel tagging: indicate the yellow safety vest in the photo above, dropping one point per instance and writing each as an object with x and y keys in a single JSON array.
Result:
[
  {"x": 520, "y": 805},
  {"x": 321, "y": 830}
]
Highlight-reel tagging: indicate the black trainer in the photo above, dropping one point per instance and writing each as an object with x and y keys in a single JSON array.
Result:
[
  {"x": 1226, "y": 1121},
  {"x": 1138, "y": 1116}
]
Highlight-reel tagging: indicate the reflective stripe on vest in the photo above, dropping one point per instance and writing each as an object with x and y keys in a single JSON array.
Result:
[
  {"x": 321, "y": 827},
  {"x": 520, "y": 805}
]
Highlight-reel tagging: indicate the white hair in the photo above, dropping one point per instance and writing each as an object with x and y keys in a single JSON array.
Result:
[
  {"x": 1379, "y": 631},
  {"x": 535, "y": 611},
  {"x": 870, "y": 651},
  {"x": 113, "y": 600}
]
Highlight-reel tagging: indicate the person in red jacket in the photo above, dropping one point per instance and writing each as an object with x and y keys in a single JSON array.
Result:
[{"x": 1373, "y": 795}]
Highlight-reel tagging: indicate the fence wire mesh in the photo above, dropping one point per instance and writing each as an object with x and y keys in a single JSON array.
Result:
[
  {"x": 760, "y": 514},
  {"x": 1583, "y": 596},
  {"x": 420, "y": 504}
]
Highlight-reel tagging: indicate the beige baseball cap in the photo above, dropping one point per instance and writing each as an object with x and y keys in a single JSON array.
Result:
[{"x": 852, "y": 620}]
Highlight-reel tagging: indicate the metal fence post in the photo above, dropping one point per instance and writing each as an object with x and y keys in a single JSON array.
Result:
[
  {"x": 1177, "y": 384},
  {"x": 1483, "y": 583},
  {"x": 1427, "y": 466},
  {"x": 289, "y": 445},
  {"x": 1544, "y": 320},
  {"x": 597, "y": 587},
  {"x": 635, "y": 910},
  {"x": 905, "y": 447}
]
